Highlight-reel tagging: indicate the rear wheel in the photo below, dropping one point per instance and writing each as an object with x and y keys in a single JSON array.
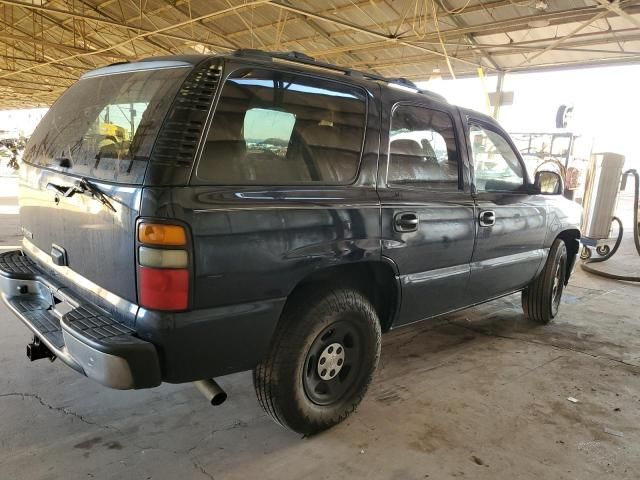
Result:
[
  {"x": 321, "y": 361},
  {"x": 541, "y": 299}
]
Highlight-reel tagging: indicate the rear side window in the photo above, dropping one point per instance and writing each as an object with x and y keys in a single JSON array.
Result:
[
  {"x": 422, "y": 149},
  {"x": 104, "y": 127},
  {"x": 280, "y": 128}
]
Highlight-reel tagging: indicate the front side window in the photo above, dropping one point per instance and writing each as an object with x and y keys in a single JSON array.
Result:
[
  {"x": 280, "y": 128},
  {"x": 496, "y": 165},
  {"x": 422, "y": 149}
]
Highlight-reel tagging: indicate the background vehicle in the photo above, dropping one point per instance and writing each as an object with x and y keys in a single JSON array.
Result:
[
  {"x": 563, "y": 152},
  {"x": 254, "y": 213},
  {"x": 11, "y": 151}
]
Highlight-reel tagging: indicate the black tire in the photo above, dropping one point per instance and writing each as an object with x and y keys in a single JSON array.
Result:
[
  {"x": 287, "y": 381},
  {"x": 541, "y": 298}
]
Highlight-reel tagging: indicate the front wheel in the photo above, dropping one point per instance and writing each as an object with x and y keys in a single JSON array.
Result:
[
  {"x": 541, "y": 298},
  {"x": 322, "y": 359}
]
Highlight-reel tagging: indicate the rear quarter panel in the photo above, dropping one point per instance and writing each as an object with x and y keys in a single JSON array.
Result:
[{"x": 252, "y": 244}]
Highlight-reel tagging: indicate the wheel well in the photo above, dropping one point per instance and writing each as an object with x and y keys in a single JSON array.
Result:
[
  {"x": 570, "y": 239},
  {"x": 376, "y": 280}
]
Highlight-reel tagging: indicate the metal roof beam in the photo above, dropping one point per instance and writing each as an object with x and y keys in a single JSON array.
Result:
[
  {"x": 386, "y": 38},
  {"x": 556, "y": 18},
  {"x": 459, "y": 22},
  {"x": 143, "y": 35},
  {"x": 419, "y": 59},
  {"x": 385, "y": 25},
  {"x": 615, "y": 8},
  {"x": 57, "y": 46},
  {"x": 563, "y": 39},
  {"x": 110, "y": 22},
  {"x": 20, "y": 47},
  {"x": 54, "y": 23},
  {"x": 527, "y": 46},
  {"x": 547, "y": 67}
]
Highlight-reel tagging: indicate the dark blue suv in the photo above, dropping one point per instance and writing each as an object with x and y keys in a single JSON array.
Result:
[{"x": 191, "y": 217}]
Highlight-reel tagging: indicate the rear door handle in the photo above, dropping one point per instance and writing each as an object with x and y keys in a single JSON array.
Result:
[
  {"x": 487, "y": 218},
  {"x": 405, "y": 222}
]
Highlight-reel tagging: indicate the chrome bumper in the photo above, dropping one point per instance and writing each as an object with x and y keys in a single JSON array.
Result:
[{"x": 82, "y": 335}]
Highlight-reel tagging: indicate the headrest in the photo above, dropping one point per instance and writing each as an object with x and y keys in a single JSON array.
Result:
[
  {"x": 320, "y": 134},
  {"x": 406, "y": 147},
  {"x": 229, "y": 129},
  {"x": 428, "y": 149},
  {"x": 336, "y": 137}
]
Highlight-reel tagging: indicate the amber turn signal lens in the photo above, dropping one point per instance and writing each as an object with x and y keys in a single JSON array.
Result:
[{"x": 161, "y": 234}]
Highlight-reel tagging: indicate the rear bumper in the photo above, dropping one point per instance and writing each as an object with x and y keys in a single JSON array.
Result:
[{"x": 81, "y": 334}]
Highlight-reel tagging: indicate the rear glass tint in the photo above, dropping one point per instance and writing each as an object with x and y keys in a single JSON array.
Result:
[
  {"x": 280, "y": 128},
  {"x": 104, "y": 127}
]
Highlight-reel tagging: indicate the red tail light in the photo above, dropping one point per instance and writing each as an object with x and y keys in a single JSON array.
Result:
[
  {"x": 163, "y": 269},
  {"x": 163, "y": 288}
]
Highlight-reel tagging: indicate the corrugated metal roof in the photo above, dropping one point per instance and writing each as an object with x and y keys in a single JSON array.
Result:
[{"x": 46, "y": 45}]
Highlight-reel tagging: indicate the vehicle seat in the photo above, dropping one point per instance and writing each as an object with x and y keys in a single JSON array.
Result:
[
  {"x": 333, "y": 150},
  {"x": 410, "y": 161},
  {"x": 428, "y": 150},
  {"x": 226, "y": 151}
]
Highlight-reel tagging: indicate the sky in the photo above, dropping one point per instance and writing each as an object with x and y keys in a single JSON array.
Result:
[{"x": 606, "y": 103}]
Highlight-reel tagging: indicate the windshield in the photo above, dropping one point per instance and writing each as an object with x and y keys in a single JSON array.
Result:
[{"x": 104, "y": 127}]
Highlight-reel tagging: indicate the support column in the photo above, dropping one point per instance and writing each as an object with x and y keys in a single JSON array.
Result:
[{"x": 499, "y": 86}]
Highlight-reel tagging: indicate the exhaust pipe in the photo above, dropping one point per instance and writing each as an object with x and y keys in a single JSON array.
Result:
[
  {"x": 37, "y": 350},
  {"x": 212, "y": 391}
]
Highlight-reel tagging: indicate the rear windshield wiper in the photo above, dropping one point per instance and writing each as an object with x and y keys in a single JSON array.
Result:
[
  {"x": 83, "y": 185},
  {"x": 59, "y": 188}
]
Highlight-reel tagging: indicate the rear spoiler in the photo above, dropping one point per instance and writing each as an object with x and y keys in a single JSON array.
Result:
[{"x": 126, "y": 67}]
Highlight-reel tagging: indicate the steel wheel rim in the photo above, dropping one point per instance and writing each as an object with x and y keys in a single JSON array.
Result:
[
  {"x": 556, "y": 290},
  {"x": 326, "y": 388}
]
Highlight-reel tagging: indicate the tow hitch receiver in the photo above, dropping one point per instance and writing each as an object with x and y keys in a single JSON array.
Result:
[{"x": 37, "y": 350}]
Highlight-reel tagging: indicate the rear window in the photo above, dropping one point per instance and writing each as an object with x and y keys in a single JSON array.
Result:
[
  {"x": 280, "y": 128},
  {"x": 104, "y": 127}
]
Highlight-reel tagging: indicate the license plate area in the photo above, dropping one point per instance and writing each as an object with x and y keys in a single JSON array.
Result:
[{"x": 60, "y": 306}]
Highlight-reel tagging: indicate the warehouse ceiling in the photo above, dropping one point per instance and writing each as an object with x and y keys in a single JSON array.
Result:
[{"x": 46, "y": 45}]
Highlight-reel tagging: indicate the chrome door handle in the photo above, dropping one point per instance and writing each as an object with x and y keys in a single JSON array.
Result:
[
  {"x": 487, "y": 218},
  {"x": 406, "y": 222}
]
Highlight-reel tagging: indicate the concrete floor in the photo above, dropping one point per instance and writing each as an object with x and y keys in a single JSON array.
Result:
[{"x": 479, "y": 394}]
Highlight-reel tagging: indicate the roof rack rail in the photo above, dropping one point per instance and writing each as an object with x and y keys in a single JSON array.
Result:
[
  {"x": 305, "y": 59},
  {"x": 405, "y": 82},
  {"x": 292, "y": 55}
]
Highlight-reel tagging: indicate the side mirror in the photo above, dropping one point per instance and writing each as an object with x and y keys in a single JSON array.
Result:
[{"x": 549, "y": 183}]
